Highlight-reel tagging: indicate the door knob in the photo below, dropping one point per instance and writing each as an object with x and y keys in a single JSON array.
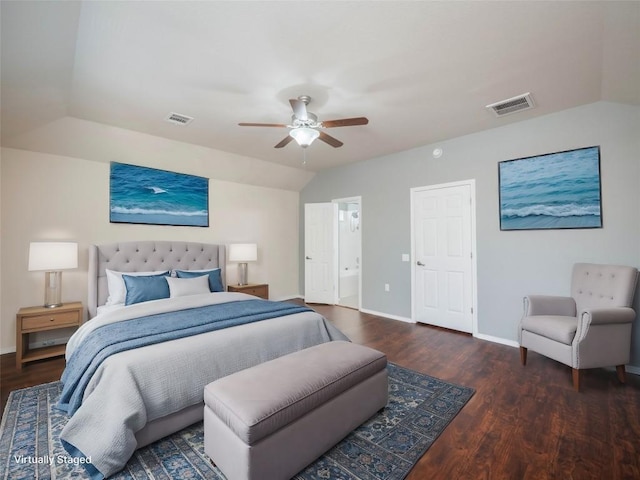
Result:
[
  {"x": 420, "y": 264},
  {"x": 308, "y": 257}
]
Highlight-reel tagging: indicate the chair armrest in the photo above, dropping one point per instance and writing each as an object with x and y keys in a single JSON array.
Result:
[
  {"x": 611, "y": 315},
  {"x": 549, "y": 305}
]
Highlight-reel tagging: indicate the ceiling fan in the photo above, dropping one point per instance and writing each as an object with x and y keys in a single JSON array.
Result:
[{"x": 305, "y": 127}]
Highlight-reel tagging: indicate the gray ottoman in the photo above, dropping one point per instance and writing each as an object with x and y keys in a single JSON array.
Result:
[{"x": 270, "y": 421}]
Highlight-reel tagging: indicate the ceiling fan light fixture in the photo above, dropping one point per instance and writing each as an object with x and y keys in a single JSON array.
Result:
[{"x": 304, "y": 136}]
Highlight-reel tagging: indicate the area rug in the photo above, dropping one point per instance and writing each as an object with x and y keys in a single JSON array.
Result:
[{"x": 384, "y": 448}]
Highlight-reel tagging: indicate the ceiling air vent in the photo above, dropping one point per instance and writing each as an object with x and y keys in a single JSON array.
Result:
[
  {"x": 178, "y": 119},
  {"x": 512, "y": 105}
]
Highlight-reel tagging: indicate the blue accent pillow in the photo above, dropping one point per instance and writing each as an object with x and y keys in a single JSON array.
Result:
[
  {"x": 215, "y": 277},
  {"x": 145, "y": 288}
]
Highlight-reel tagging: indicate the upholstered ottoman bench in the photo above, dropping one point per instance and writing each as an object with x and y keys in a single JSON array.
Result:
[{"x": 270, "y": 421}]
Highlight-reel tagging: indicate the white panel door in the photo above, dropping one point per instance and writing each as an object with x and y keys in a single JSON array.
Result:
[
  {"x": 443, "y": 265},
  {"x": 320, "y": 252}
]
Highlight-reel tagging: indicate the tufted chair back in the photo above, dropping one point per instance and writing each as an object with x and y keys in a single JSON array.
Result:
[{"x": 602, "y": 286}]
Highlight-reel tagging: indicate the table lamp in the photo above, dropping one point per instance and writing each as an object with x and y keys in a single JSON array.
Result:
[
  {"x": 243, "y": 253},
  {"x": 52, "y": 257}
]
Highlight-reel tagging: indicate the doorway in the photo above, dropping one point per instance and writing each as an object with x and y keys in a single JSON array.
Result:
[
  {"x": 349, "y": 252},
  {"x": 443, "y": 282},
  {"x": 321, "y": 249}
]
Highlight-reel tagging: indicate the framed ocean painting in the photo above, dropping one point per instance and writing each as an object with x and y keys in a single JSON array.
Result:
[
  {"x": 157, "y": 197},
  {"x": 556, "y": 190}
]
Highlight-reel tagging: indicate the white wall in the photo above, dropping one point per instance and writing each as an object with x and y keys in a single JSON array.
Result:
[
  {"x": 53, "y": 197},
  {"x": 510, "y": 264},
  {"x": 77, "y": 138}
]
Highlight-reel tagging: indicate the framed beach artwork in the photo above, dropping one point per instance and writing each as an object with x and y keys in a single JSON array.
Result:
[
  {"x": 556, "y": 190},
  {"x": 157, "y": 197}
]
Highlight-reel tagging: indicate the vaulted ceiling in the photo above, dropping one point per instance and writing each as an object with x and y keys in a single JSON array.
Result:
[{"x": 420, "y": 71}]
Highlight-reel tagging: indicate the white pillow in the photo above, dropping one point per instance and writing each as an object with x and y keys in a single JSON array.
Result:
[
  {"x": 115, "y": 284},
  {"x": 180, "y": 287}
]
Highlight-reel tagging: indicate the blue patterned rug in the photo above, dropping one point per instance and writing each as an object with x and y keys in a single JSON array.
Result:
[{"x": 384, "y": 448}]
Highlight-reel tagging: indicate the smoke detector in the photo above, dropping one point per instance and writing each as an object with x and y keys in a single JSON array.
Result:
[
  {"x": 512, "y": 105},
  {"x": 178, "y": 119}
]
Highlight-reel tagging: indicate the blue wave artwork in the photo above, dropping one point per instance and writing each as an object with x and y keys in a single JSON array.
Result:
[
  {"x": 151, "y": 196},
  {"x": 557, "y": 190}
]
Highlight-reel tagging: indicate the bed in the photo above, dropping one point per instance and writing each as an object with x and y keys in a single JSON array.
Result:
[{"x": 135, "y": 396}]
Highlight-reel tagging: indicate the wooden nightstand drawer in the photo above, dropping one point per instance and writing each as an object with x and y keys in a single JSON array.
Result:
[
  {"x": 54, "y": 319},
  {"x": 261, "y": 290}
]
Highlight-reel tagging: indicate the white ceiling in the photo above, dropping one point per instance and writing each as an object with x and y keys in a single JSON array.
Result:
[{"x": 421, "y": 71}]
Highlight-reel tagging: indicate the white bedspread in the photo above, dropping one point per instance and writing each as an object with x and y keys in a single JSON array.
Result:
[{"x": 138, "y": 386}]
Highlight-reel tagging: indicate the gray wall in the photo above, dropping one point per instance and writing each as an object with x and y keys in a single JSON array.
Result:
[{"x": 510, "y": 264}]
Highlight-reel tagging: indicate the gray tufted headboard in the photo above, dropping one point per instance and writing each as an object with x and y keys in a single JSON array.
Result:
[{"x": 147, "y": 256}]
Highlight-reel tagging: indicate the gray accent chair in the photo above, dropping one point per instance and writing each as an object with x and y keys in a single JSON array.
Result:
[{"x": 589, "y": 329}]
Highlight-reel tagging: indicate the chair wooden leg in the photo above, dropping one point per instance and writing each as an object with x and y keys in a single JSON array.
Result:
[
  {"x": 621, "y": 373},
  {"x": 576, "y": 379},
  {"x": 523, "y": 355}
]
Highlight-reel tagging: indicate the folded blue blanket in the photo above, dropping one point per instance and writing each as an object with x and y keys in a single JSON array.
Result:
[{"x": 139, "y": 332}]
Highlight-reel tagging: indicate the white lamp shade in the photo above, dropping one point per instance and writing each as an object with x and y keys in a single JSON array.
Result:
[
  {"x": 304, "y": 135},
  {"x": 53, "y": 256},
  {"x": 243, "y": 252}
]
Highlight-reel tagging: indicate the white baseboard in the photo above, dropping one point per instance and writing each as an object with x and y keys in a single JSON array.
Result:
[
  {"x": 377, "y": 314},
  {"x": 387, "y": 315},
  {"x": 289, "y": 297},
  {"x": 501, "y": 341}
]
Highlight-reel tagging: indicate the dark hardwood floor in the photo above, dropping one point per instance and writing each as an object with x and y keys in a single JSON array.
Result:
[{"x": 522, "y": 422}]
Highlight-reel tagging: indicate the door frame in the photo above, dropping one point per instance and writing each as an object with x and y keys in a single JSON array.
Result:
[
  {"x": 474, "y": 264},
  {"x": 358, "y": 200}
]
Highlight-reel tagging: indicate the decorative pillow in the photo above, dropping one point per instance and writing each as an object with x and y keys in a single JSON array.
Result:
[
  {"x": 215, "y": 277},
  {"x": 180, "y": 287},
  {"x": 115, "y": 284},
  {"x": 145, "y": 288}
]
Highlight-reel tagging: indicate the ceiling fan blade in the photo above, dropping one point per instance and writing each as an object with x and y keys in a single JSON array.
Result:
[
  {"x": 299, "y": 109},
  {"x": 334, "y": 142},
  {"x": 345, "y": 122},
  {"x": 262, "y": 124},
  {"x": 284, "y": 141}
]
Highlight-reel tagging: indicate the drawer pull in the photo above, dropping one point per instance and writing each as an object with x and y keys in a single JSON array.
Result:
[{"x": 52, "y": 319}]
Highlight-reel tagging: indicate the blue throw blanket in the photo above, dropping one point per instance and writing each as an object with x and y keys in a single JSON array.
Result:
[{"x": 139, "y": 332}]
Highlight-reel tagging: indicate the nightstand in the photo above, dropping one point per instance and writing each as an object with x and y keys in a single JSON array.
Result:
[
  {"x": 39, "y": 319},
  {"x": 259, "y": 290}
]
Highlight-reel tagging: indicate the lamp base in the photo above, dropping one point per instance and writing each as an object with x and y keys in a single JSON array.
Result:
[
  {"x": 52, "y": 289},
  {"x": 242, "y": 274}
]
